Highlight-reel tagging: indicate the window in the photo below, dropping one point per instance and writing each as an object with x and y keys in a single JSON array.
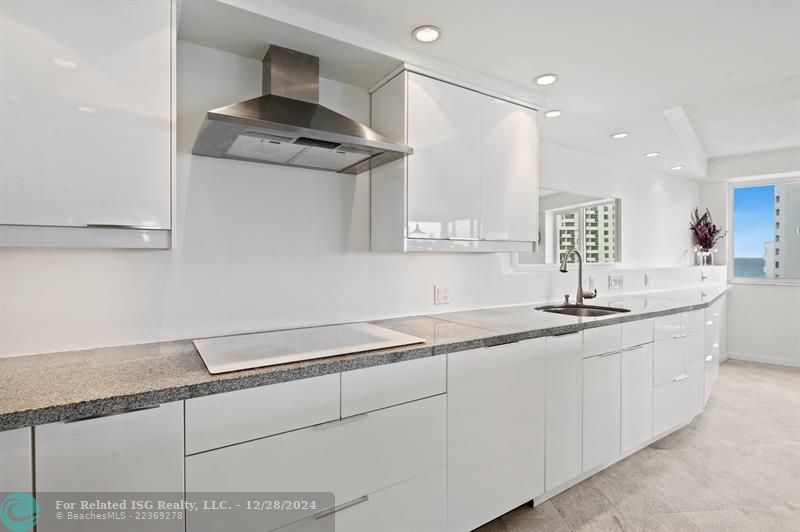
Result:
[
  {"x": 759, "y": 238},
  {"x": 586, "y": 232}
]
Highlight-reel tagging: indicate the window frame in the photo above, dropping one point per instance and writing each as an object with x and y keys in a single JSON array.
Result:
[
  {"x": 617, "y": 202},
  {"x": 785, "y": 179}
]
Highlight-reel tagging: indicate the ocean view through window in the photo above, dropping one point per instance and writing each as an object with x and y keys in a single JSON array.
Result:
[{"x": 766, "y": 236}]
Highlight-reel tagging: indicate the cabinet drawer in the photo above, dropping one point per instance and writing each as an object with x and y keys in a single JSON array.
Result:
[
  {"x": 670, "y": 359},
  {"x": 693, "y": 321},
  {"x": 234, "y": 417},
  {"x": 667, "y": 326},
  {"x": 418, "y": 504},
  {"x": 369, "y": 389},
  {"x": 352, "y": 457},
  {"x": 637, "y": 333},
  {"x": 673, "y": 403},
  {"x": 601, "y": 340}
]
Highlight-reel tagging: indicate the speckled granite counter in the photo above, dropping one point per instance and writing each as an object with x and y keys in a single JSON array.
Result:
[{"x": 53, "y": 387}]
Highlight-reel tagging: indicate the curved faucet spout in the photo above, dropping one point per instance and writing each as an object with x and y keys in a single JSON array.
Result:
[{"x": 563, "y": 269}]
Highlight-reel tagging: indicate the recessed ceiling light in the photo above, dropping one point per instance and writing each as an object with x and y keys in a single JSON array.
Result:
[
  {"x": 552, "y": 114},
  {"x": 546, "y": 79},
  {"x": 427, "y": 33},
  {"x": 65, "y": 63},
  {"x": 652, "y": 154},
  {"x": 677, "y": 167},
  {"x": 620, "y": 135}
]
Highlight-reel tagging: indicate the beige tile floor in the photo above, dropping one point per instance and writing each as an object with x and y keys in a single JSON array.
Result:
[{"x": 736, "y": 468}]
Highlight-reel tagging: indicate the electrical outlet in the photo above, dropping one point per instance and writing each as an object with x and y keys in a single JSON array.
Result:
[
  {"x": 441, "y": 295},
  {"x": 615, "y": 282}
]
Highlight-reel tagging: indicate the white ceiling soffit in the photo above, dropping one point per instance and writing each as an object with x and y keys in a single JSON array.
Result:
[
  {"x": 621, "y": 63},
  {"x": 760, "y": 118},
  {"x": 225, "y": 27},
  {"x": 696, "y": 160}
]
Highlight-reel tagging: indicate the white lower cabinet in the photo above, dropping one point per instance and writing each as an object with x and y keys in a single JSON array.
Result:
[
  {"x": 140, "y": 451},
  {"x": 16, "y": 467},
  {"x": 601, "y": 410},
  {"x": 636, "y": 396},
  {"x": 496, "y": 417},
  {"x": 352, "y": 458},
  {"x": 416, "y": 505},
  {"x": 673, "y": 403},
  {"x": 563, "y": 449}
]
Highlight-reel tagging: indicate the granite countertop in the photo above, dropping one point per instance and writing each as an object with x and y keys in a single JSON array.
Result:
[{"x": 52, "y": 387}]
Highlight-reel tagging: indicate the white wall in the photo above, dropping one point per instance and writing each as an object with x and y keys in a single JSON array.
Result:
[
  {"x": 265, "y": 247},
  {"x": 763, "y": 320},
  {"x": 764, "y": 323}
]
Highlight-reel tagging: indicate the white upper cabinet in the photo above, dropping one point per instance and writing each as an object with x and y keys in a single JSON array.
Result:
[
  {"x": 472, "y": 183},
  {"x": 444, "y": 174},
  {"x": 85, "y": 117},
  {"x": 509, "y": 153}
]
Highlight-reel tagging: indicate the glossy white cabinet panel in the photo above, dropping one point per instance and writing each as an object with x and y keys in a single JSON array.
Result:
[
  {"x": 670, "y": 359},
  {"x": 369, "y": 389},
  {"x": 693, "y": 321},
  {"x": 637, "y": 396},
  {"x": 418, "y": 505},
  {"x": 509, "y": 171},
  {"x": 601, "y": 340},
  {"x": 601, "y": 410},
  {"x": 135, "y": 451},
  {"x": 496, "y": 427},
  {"x": 233, "y": 417},
  {"x": 637, "y": 333},
  {"x": 444, "y": 180},
  {"x": 351, "y": 458},
  {"x": 87, "y": 94},
  {"x": 665, "y": 327},
  {"x": 16, "y": 467},
  {"x": 674, "y": 403},
  {"x": 140, "y": 451},
  {"x": 564, "y": 405}
]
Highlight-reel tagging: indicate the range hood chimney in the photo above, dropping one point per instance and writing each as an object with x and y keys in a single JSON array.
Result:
[{"x": 288, "y": 126}]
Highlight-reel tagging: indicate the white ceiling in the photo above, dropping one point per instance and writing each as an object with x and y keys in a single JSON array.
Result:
[{"x": 733, "y": 65}]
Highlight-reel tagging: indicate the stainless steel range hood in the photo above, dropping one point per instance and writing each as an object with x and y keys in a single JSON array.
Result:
[{"x": 288, "y": 126}]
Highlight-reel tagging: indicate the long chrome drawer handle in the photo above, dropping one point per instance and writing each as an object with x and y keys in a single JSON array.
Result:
[
  {"x": 680, "y": 378},
  {"x": 338, "y": 422},
  {"x": 343, "y": 506},
  {"x": 124, "y": 226},
  {"x": 98, "y": 416},
  {"x": 679, "y": 336}
]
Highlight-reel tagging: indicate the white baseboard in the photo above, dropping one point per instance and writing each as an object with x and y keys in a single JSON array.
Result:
[{"x": 765, "y": 359}]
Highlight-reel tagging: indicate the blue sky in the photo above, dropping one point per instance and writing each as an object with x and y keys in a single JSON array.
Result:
[{"x": 754, "y": 219}]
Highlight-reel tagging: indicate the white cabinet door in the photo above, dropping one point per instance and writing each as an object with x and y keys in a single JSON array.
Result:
[
  {"x": 85, "y": 119},
  {"x": 509, "y": 171},
  {"x": 564, "y": 405},
  {"x": 140, "y": 451},
  {"x": 601, "y": 410},
  {"x": 637, "y": 396},
  {"x": 16, "y": 468},
  {"x": 444, "y": 182},
  {"x": 495, "y": 420},
  {"x": 674, "y": 402}
]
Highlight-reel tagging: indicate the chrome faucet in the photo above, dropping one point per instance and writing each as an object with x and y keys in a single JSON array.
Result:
[{"x": 563, "y": 269}]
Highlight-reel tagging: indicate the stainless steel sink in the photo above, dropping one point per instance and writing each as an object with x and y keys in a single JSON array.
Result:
[{"x": 590, "y": 311}]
